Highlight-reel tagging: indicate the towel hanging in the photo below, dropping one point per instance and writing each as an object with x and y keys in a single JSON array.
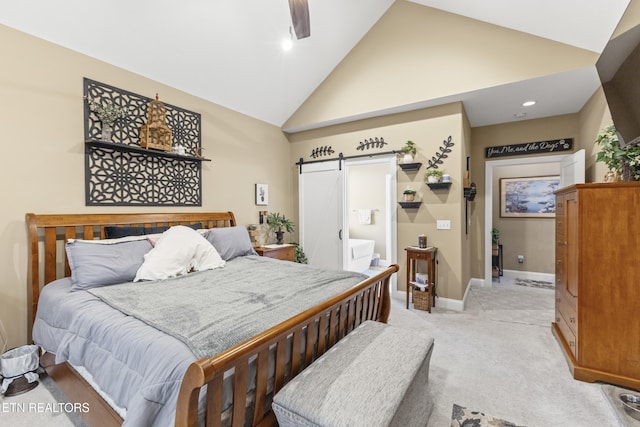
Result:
[{"x": 364, "y": 216}]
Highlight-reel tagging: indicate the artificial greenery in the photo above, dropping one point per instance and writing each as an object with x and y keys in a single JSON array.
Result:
[
  {"x": 495, "y": 235},
  {"x": 409, "y": 148},
  {"x": 299, "y": 255},
  {"x": 615, "y": 158},
  {"x": 107, "y": 112},
  {"x": 277, "y": 222},
  {"x": 409, "y": 190},
  {"x": 434, "y": 172}
]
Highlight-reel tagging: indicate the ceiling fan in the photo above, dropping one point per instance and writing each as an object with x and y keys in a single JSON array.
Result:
[{"x": 300, "y": 17}]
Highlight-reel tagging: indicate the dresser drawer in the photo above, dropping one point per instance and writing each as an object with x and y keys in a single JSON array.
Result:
[
  {"x": 567, "y": 310},
  {"x": 568, "y": 334}
]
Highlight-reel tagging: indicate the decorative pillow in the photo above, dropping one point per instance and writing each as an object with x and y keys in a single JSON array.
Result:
[
  {"x": 96, "y": 263},
  {"x": 114, "y": 232},
  {"x": 179, "y": 251},
  {"x": 231, "y": 242}
]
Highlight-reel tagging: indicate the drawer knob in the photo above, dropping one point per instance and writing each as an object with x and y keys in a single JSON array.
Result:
[
  {"x": 572, "y": 320},
  {"x": 572, "y": 344}
]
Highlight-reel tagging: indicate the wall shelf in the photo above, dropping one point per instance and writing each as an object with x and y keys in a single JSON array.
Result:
[
  {"x": 148, "y": 152},
  {"x": 410, "y": 205},
  {"x": 410, "y": 166},
  {"x": 438, "y": 185}
]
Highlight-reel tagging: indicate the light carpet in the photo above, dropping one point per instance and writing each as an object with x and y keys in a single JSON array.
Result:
[
  {"x": 504, "y": 361},
  {"x": 498, "y": 356}
]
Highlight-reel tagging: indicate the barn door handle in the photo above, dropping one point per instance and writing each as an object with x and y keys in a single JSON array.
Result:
[{"x": 340, "y": 234}]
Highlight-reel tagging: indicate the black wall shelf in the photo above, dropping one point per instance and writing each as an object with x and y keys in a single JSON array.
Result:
[
  {"x": 148, "y": 152},
  {"x": 439, "y": 185},
  {"x": 410, "y": 205},
  {"x": 410, "y": 166}
]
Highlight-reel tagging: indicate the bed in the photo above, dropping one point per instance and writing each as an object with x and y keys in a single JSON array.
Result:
[{"x": 231, "y": 387}]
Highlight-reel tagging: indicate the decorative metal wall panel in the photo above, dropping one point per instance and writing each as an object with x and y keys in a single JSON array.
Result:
[{"x": 119, "y": 177}]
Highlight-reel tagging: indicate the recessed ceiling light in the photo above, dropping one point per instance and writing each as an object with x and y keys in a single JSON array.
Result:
[
  {"x": 519, "y": 115},
  {"x": 528, "y": 103},
  {"x": 287, "y": 43}
]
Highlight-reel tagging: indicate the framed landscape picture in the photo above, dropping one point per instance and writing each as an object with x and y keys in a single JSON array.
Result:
[{"x": 530, "y": 197}]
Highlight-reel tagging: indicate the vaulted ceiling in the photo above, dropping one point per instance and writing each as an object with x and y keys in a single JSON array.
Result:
[{"x": 229, "y": 52}]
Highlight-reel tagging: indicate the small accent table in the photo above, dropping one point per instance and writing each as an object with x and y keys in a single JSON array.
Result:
[
  {"x": 283, "y": 252},
  {"x": 414, "y": 254}
]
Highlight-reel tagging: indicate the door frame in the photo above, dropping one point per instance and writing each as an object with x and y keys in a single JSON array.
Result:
[
  {"x": 489, "y": 166},
  {"x": 391, "y": 226}
]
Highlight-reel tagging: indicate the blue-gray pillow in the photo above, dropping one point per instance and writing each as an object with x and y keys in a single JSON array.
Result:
[
  {"x": 231, "y": 242},
  {"x": 95, "y": 264}
]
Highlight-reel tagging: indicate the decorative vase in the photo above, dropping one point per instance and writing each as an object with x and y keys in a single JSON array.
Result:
[
  {"x": 279, "y": 237},
  {"x": 407, "y": 158},
  {"x": 432, "y": 179},
  {"x": 409, "y": 197},
  {"x": 106, "y": 132}
]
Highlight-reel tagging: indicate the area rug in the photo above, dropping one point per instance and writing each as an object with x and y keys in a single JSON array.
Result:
[
  {"x": 533, "y": 283},
  {"x": 463, "y": 417}
]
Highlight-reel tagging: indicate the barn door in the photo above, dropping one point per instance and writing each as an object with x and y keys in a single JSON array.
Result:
[{"x": 321, "y": 199}]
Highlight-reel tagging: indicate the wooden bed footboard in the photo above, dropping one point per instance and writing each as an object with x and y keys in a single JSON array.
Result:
[
  {"x": 311, "y": 332},
  {"x": 370, "y": 300}
]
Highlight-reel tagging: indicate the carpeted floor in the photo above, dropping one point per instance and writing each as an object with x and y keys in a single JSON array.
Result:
[{"x": 500, "y": 357}]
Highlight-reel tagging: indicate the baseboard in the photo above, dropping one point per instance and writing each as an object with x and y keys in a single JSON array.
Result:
[{"x": 531, "y": 275}]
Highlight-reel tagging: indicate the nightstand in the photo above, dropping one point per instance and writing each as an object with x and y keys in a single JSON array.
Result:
[{"x": 283, "y": 252}]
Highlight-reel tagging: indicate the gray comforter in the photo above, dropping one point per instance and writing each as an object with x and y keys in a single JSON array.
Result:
[{"x": 141, "y": 367}]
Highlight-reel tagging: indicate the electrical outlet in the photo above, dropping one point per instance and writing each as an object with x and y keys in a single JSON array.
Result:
[{"x": 520, "y": 259}]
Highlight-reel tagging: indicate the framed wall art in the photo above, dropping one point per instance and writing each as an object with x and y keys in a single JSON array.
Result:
[
  {"x": 529, "y": 197},
  {"x": 262, "y": 194}
]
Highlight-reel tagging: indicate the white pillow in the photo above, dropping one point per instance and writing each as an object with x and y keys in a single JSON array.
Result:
[{"x": 179, "y": 251}]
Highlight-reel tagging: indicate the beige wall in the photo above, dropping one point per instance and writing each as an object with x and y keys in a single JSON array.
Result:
[
  {"x": 534, "y": 238},
  {"x": 427, "y": 128},
  {"x": 41, "y": 117},
  {"x": 416, "y": 53}
]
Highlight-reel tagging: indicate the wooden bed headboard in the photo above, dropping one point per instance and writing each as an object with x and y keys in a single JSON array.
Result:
[{"x": 53, "y": 230}]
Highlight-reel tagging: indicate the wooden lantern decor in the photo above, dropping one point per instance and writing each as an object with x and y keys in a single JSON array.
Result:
[{"x": 156, "y": 134}]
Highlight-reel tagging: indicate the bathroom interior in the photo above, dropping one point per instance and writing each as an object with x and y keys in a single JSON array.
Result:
[{"x": 368, "y": 218}]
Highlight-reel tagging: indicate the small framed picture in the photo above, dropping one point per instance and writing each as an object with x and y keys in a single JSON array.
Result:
[{"x": 262, "y": 194}]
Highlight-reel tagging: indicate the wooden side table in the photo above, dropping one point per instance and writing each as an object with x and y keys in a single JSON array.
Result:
[
  {"x": 414, "y": 254},
  {"x": 283, "y": 252}
]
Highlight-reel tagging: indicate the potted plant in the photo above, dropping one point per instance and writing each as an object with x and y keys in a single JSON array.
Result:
[
  {"x": 495, "y": 235},
  {"x": 433, "y": 175},
  {"x": 409, "y": 150},
  {"x": 623, "y": 162},
  {"x": 409, "y": 194},
  {"x": 279, "y": 224},
  {"x": 107, "y": 113}
]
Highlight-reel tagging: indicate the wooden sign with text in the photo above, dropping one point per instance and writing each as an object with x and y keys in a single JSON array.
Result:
[{"x": 539, "y": 147}]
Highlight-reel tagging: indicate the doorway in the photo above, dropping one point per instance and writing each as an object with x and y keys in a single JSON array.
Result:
[
  {"x": 572, "y": 170},
  {"x": 343, "y": 201}
]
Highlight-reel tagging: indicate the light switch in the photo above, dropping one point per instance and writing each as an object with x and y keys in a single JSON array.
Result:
[{"x": 443, "y": 224}]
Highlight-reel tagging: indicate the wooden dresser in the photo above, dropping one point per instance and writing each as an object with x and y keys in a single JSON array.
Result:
[{"x": 598, "y": 281}]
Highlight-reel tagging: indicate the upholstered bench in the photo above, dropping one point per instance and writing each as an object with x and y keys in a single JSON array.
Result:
[{"x": 375, "y": 376}]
